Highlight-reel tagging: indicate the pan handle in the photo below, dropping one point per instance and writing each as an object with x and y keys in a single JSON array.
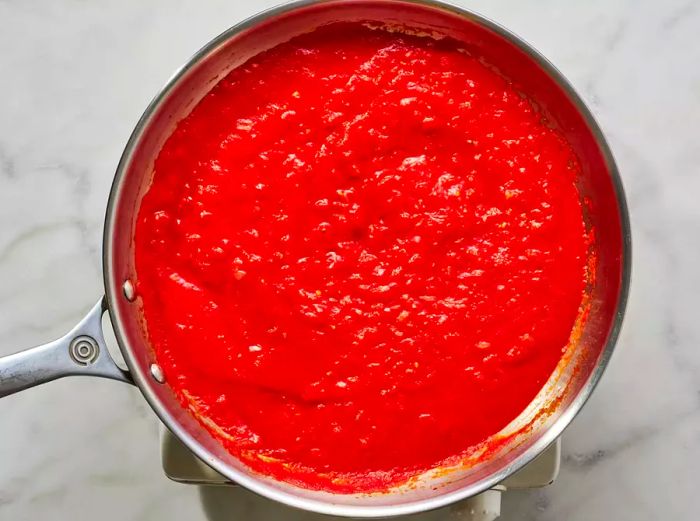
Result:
[{"x": 83, "y": 351}]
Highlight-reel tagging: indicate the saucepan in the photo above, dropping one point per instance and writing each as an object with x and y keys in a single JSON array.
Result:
[{"x": 83, "y": 351}]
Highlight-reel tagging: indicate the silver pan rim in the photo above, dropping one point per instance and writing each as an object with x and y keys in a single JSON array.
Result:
[{"x": 258, "y": 486}]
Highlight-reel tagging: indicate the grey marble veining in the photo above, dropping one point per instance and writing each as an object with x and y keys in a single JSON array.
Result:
[{"x": 74, "y": 78}]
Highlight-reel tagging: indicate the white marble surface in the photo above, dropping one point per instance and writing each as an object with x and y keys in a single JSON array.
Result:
[{"x": 74, "y": 78}]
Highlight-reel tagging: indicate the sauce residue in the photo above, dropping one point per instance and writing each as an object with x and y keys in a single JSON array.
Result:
[{"x": 362, "y": 254}]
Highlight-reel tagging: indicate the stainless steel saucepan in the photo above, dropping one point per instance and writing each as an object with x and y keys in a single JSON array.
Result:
[{"x": 83, "y": 351}]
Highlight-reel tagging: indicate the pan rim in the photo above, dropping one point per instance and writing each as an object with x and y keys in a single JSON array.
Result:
[{"x": 249, "y": 481}]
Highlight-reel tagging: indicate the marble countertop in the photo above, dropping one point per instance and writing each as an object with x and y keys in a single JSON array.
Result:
[{"x": 74, "y": 78}]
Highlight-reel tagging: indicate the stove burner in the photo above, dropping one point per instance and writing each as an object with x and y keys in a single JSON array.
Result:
[{"x": 180, "y": 465}]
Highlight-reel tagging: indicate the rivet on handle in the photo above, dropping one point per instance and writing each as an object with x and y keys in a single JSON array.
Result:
[
  {"x": 129, "y": 291},
  {"x": 157, "y": 373}
]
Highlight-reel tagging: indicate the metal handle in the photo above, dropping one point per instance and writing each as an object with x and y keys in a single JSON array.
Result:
[{"x": 83, "y": 351}]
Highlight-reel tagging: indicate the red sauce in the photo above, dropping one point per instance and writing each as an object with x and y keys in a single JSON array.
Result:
[{"x": 362, "y": 254}]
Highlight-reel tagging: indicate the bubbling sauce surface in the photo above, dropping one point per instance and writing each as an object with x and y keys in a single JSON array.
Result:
[{"x": 362, "y": 254}]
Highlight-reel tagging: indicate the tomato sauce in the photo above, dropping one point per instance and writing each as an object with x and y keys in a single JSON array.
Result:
[{"x": 362, "y": 254}]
